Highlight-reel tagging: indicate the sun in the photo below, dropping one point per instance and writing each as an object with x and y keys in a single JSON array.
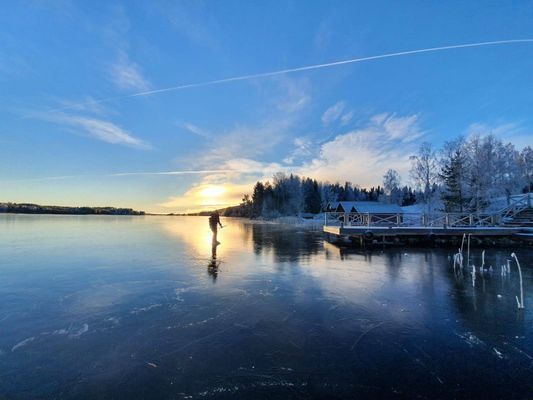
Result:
[{"x": 211, "y": 192}]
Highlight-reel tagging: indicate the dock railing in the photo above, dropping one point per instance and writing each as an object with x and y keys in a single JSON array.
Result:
[
  {"x": 410, "y": 219},
  {"x": 517, "y": 204}
]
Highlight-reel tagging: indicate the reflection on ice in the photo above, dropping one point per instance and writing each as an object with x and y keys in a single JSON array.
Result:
[{"x": 128, "y": 308}]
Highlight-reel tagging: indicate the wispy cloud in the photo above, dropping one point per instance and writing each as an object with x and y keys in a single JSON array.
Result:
[
  {"x": 195, "y": 129},
  {"x": 239, "y": 152},
  {"x": 363, "y": 155},
  {"x": 401, "y": 129},
  {"x": 337, "y": 113},
  {"x": 127, "y": 75},
  {"x": 347, "y": 117},
  {"x": 333, "y": 113},
  {"x": 106, "y": 131},
  {"x": 243, "y": 170},
  {"x": 121, "y": 69},
  {"x": 88, "y": 105},
  {"x": 99, "y": 129},
  {"x": 251, "y": 141},
  {"x": 506, "y": 131},
  {"x": 303, "y": 147}
]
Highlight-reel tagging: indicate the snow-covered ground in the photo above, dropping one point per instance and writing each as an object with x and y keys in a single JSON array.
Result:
[
  {"x": 317, "y": 222},
  {"x": 497, "y": 204},
  {"x": 411, "y": 214}
]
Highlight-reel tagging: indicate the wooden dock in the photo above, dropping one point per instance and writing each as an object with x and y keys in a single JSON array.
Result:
[
  {"x": 375, "y": 231},
  {"x": 515, "y": 222},
  {"x": 368, "y": 235}
]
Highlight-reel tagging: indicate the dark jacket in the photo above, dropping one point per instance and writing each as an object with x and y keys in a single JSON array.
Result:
[{"x": 214, "y": 220}]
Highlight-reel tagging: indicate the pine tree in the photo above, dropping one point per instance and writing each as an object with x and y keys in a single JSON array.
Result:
[
  {"x": 258, "y": 199},
  {"x": 452, "y": 175},
  {"x": 269, "y": 205},
  {"x": 312, "y": 199}
]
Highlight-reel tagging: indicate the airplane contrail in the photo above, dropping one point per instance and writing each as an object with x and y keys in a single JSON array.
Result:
[
  {"x": 298, "y": 69},
  {"x": 143, "y": 173},
  {"x": 187, "y": 172},
  {"x": 45, "y": 178}
]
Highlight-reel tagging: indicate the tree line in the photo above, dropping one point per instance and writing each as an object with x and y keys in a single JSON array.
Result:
[
  {"x": 462, "y": 176},
  {"x": 295, "y": 195},
  {"x": 28, "y": 208},
  {"x": 467, "y": 174}
]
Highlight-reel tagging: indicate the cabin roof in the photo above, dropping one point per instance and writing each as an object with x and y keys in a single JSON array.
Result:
[
  {"x": 332, "y": 205},
  {"x": 373, "y": 207}
]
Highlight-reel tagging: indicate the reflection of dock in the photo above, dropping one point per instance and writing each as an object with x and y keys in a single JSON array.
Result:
[
  {"x": 371, "y": 234},
  {"x": 419, "y": 231},
  {"x": 339, "y": 251},
  {"x": 513, "y": 222}
]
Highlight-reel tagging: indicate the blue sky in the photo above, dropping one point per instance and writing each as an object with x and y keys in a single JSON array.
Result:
[{"x": 74, "y": 132}]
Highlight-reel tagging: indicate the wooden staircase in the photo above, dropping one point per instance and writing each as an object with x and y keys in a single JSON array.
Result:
[
  {"x": 523, "y": 219},
  {"x": 519, "y": 214}
]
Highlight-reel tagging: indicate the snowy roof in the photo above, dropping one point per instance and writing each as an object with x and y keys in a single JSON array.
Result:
[
  {"x": 372, "y": 207},
  {"x": 332, "y": 204}
]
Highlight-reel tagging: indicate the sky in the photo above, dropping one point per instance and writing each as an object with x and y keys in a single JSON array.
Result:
[{"x": 178, "y": 106}]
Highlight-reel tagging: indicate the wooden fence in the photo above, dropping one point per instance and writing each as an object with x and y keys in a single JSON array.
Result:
[{"x": 518, "y": 203}]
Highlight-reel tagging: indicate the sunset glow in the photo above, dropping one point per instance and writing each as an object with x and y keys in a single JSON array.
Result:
[
  {"x": 212, "y": 192},
  {"x": 192, "y": 121}
]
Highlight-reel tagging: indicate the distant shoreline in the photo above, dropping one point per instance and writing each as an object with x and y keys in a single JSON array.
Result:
[{"x": 30, "y": 208}]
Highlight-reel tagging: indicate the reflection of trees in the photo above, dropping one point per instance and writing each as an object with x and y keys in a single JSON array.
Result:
[
  {"x": 287, "y": 244},
  {"x": 393, "y": 263},
  {"x": 399, "y": 267}
]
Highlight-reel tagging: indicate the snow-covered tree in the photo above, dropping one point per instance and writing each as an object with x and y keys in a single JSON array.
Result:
[
  {"x": 469, "y": 175},
  {"x": 424, "y": 172},
  {"x": 525, "y": 164},
  {"x": 506, "y": 178},
  {"x": 391, "y": 186},
  {"x": 327, "y": 194},
  {"x": 481, "y": 171},
  {"x": 391, "y": 181}
]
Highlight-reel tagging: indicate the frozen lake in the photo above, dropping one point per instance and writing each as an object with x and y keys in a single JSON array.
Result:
[{"x": 137, "y": 308}]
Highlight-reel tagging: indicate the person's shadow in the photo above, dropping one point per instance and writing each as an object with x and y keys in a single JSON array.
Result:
[{"x": 212, "y": 267}]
